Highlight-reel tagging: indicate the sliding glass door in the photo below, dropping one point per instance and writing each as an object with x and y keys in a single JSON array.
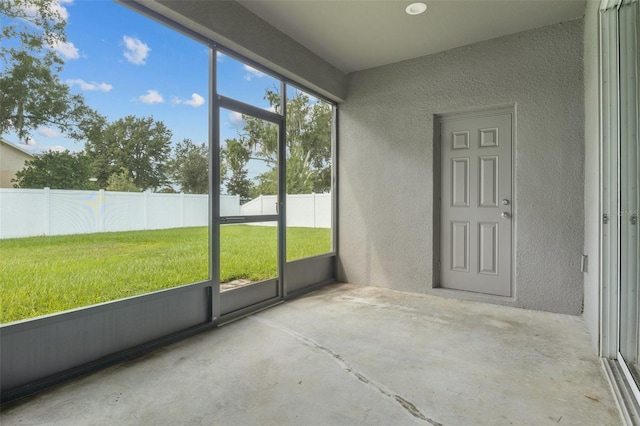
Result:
[{"x": 628, "y": 192}]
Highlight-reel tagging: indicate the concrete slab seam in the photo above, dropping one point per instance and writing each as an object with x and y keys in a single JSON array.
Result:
[{"x": 408, "y": 406}]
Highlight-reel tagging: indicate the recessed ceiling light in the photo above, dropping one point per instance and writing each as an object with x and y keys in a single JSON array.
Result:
[{"x": 416, "y": 8}]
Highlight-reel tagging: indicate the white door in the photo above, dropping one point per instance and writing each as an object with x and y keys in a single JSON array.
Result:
[{"x": 476, "y": 203}]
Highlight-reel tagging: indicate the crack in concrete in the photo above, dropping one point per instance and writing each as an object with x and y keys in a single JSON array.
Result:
[{"x": 405, "y": 404}]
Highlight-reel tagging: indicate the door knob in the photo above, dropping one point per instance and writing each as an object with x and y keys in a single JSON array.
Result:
[{"x": 505, "y": 215}]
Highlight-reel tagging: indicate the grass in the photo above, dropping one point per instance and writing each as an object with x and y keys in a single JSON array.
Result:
[{"x": 43, "y": 275}]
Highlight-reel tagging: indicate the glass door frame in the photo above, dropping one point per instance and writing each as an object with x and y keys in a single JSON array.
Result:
[
  {"x": 619, "y": 297},
  {"x": 628, "y": 198},
  {"x": 239, "y": 302}
]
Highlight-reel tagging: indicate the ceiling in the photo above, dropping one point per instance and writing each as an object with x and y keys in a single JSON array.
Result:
[{"x": 354, "y": 35}]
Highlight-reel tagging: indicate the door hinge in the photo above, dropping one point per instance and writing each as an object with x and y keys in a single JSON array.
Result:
[
  {"x": 439, "y": 267},
  {"x": 605, "y": 218}
]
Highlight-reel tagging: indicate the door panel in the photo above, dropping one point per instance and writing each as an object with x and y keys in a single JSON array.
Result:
[
  {"x": 460, "y": 182},
  {"x": 488, "y": 181},
  {"x": 460, "y": 246},
  {"x": 488, "y": 248},
  {"x": 250, "y": 253},
  {"x": 476, "y": 203}
]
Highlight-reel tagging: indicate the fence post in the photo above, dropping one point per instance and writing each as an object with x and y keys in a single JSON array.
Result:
[
  {"x": 182, "y": 212},
  {"x": 315, "y": 219},
  {"x": 101, "y": 210},
  {"x": 145, "y": 210},
  {"x": 47, "y": 210}
]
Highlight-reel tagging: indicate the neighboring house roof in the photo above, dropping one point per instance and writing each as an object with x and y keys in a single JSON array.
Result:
[
  {"x": 12, "y": 159},
  {"x": 16, "y": 147}
]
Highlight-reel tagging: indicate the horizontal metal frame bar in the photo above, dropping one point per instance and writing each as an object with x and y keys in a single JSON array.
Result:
[
  {"x": 86, "y": 311},
  {"x": 246, "y": 109},
  {"x": 226, "y": 220},
  {"x": 315, "y": 256},
  {"x": 271, "y": 73},
  {"x": 248, "y": 311},
  {"x": 308, "y": 289}
]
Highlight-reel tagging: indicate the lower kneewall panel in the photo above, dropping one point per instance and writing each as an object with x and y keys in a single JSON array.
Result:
[{"x": 36, "y": 349}]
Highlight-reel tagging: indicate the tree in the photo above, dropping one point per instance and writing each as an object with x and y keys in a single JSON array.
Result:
[
  {"x": 121, "y": 181},
  {"x": 56, "y": 170},
  {"x": 141, "y": 146},
  {"x": 308, "y": 145},
  {"x": 31, "y": 94},
  {"x": 236, "y": 156},
  {"x": 189, "y": 167}
]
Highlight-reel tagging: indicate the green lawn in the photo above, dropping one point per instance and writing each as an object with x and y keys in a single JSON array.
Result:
[{"x": 42, "y": 275}]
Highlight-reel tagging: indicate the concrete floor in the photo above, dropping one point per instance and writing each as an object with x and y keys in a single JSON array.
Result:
[{"x": 351, "y": 355}]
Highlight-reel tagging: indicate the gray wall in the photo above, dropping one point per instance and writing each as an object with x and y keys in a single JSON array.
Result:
[
  {"x": 592, "y": 173},
  {"x": 386, "y": 162}
]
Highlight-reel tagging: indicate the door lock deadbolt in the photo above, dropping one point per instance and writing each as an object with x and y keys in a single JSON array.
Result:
[{"x": 505, "y": 202}]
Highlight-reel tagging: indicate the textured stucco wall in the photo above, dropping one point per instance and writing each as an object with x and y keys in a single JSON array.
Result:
[
  {"x": 255, "y": 39},
  {"x": 592, "y": 173},
  {"x": 386, "y": 162}
]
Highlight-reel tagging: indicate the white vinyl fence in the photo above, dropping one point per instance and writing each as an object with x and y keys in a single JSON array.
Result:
[
  {"x": 33, "y": 212},
  {"x": 303, "y": 210}
]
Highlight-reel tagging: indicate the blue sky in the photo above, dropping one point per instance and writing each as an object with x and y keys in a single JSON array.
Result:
[{"x": 127, "y": 64}]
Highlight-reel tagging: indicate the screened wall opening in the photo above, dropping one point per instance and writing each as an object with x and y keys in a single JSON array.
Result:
[
  {"x": 176, "y": 218},
  {"x": 309, "y": 179},
  {"x": 115, "y": 204},
  {"x": 275, "y": 159}
]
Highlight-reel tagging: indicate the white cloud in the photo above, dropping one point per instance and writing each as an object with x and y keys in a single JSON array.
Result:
[
  {"x": 53, "y": 148},
  {"x": 48, "y": 132},
  {"x": 93, "y": 86},
  {"x": 252, "y": 72},
  {"x": 57, "y": 7},
  {"x": 235, "y": 118},
  {"x": 35, "y": 149},
  {"x": 152, "y": 97},
  {"x": 66, "y": 49},
  {"x": 135, "y": 51},
  {"x": 195, "y": 101},
  {"x": 220, "y": 56}
]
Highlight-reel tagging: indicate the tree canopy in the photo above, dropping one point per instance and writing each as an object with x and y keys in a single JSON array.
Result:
[
  {"x": 135, "y": 153},
  {"x": 141, "y": 146},
  {"x": 308, "y": 145},
  {"x": 56, "y": 170},
  {"x": 189, "y": 167},
  {"x": 31, "y": 93}
]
